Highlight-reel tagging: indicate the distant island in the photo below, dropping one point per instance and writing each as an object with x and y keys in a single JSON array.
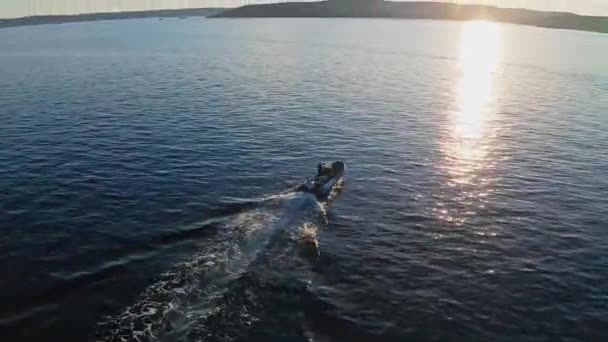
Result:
[
  {"x": 60, "y": 19},
  {"x": 419, "y": 10}
]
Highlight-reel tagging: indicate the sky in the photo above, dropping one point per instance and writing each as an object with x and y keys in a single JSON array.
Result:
[{"x": 20, "y": 8}]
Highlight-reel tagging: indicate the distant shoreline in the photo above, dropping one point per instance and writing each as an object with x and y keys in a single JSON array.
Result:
[
  {"x": 421, "y": 10},
  {"x": 63, "y": 19},
  {"x": 388, "y": 9}
]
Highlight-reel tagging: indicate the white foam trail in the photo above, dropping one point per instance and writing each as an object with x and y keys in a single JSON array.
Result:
[{"x": 190, "y": 291}]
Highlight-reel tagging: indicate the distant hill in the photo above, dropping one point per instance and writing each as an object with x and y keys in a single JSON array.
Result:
[
  {"x": 59, "y": 19},
  {"x": 420, "y": 10}
]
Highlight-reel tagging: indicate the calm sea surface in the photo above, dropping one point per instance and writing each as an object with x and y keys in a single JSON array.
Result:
[{"x": 142, "y": 164}]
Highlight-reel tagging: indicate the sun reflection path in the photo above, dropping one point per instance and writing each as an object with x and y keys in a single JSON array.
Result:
[
  {"x": 467, "y": 145},
  {"x": 479, "y": 57}
]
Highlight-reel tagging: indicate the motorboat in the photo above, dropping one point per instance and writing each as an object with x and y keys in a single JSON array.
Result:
[{"x": 328, "y": 176}]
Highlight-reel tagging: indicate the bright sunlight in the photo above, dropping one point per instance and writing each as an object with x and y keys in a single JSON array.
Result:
[
  {"x": 470, "y": 140},
  {"x": 479, "y": 56}
]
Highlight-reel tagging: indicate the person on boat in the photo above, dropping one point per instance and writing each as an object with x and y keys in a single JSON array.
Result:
[
  {"x": 321, "y": 184},
  {"x": 310, "y": 186}
]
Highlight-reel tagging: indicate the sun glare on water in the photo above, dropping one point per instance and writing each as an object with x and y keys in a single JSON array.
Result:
[
  {"x": 479, "y": 56},
  {"x": 480, "y": 46},
  {"x": 469, "y": 141}
]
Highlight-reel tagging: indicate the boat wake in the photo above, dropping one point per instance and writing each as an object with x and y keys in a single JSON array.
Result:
[{"x": 269, "y": 234}]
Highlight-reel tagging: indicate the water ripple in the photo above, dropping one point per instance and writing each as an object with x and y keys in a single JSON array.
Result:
[{"x": 474, "y": 207}]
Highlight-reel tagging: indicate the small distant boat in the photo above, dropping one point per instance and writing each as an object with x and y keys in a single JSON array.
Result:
[{"x": 328, "y": 175}]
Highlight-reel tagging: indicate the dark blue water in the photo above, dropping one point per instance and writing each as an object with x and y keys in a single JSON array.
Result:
[{"x": 142, "y": 161}]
